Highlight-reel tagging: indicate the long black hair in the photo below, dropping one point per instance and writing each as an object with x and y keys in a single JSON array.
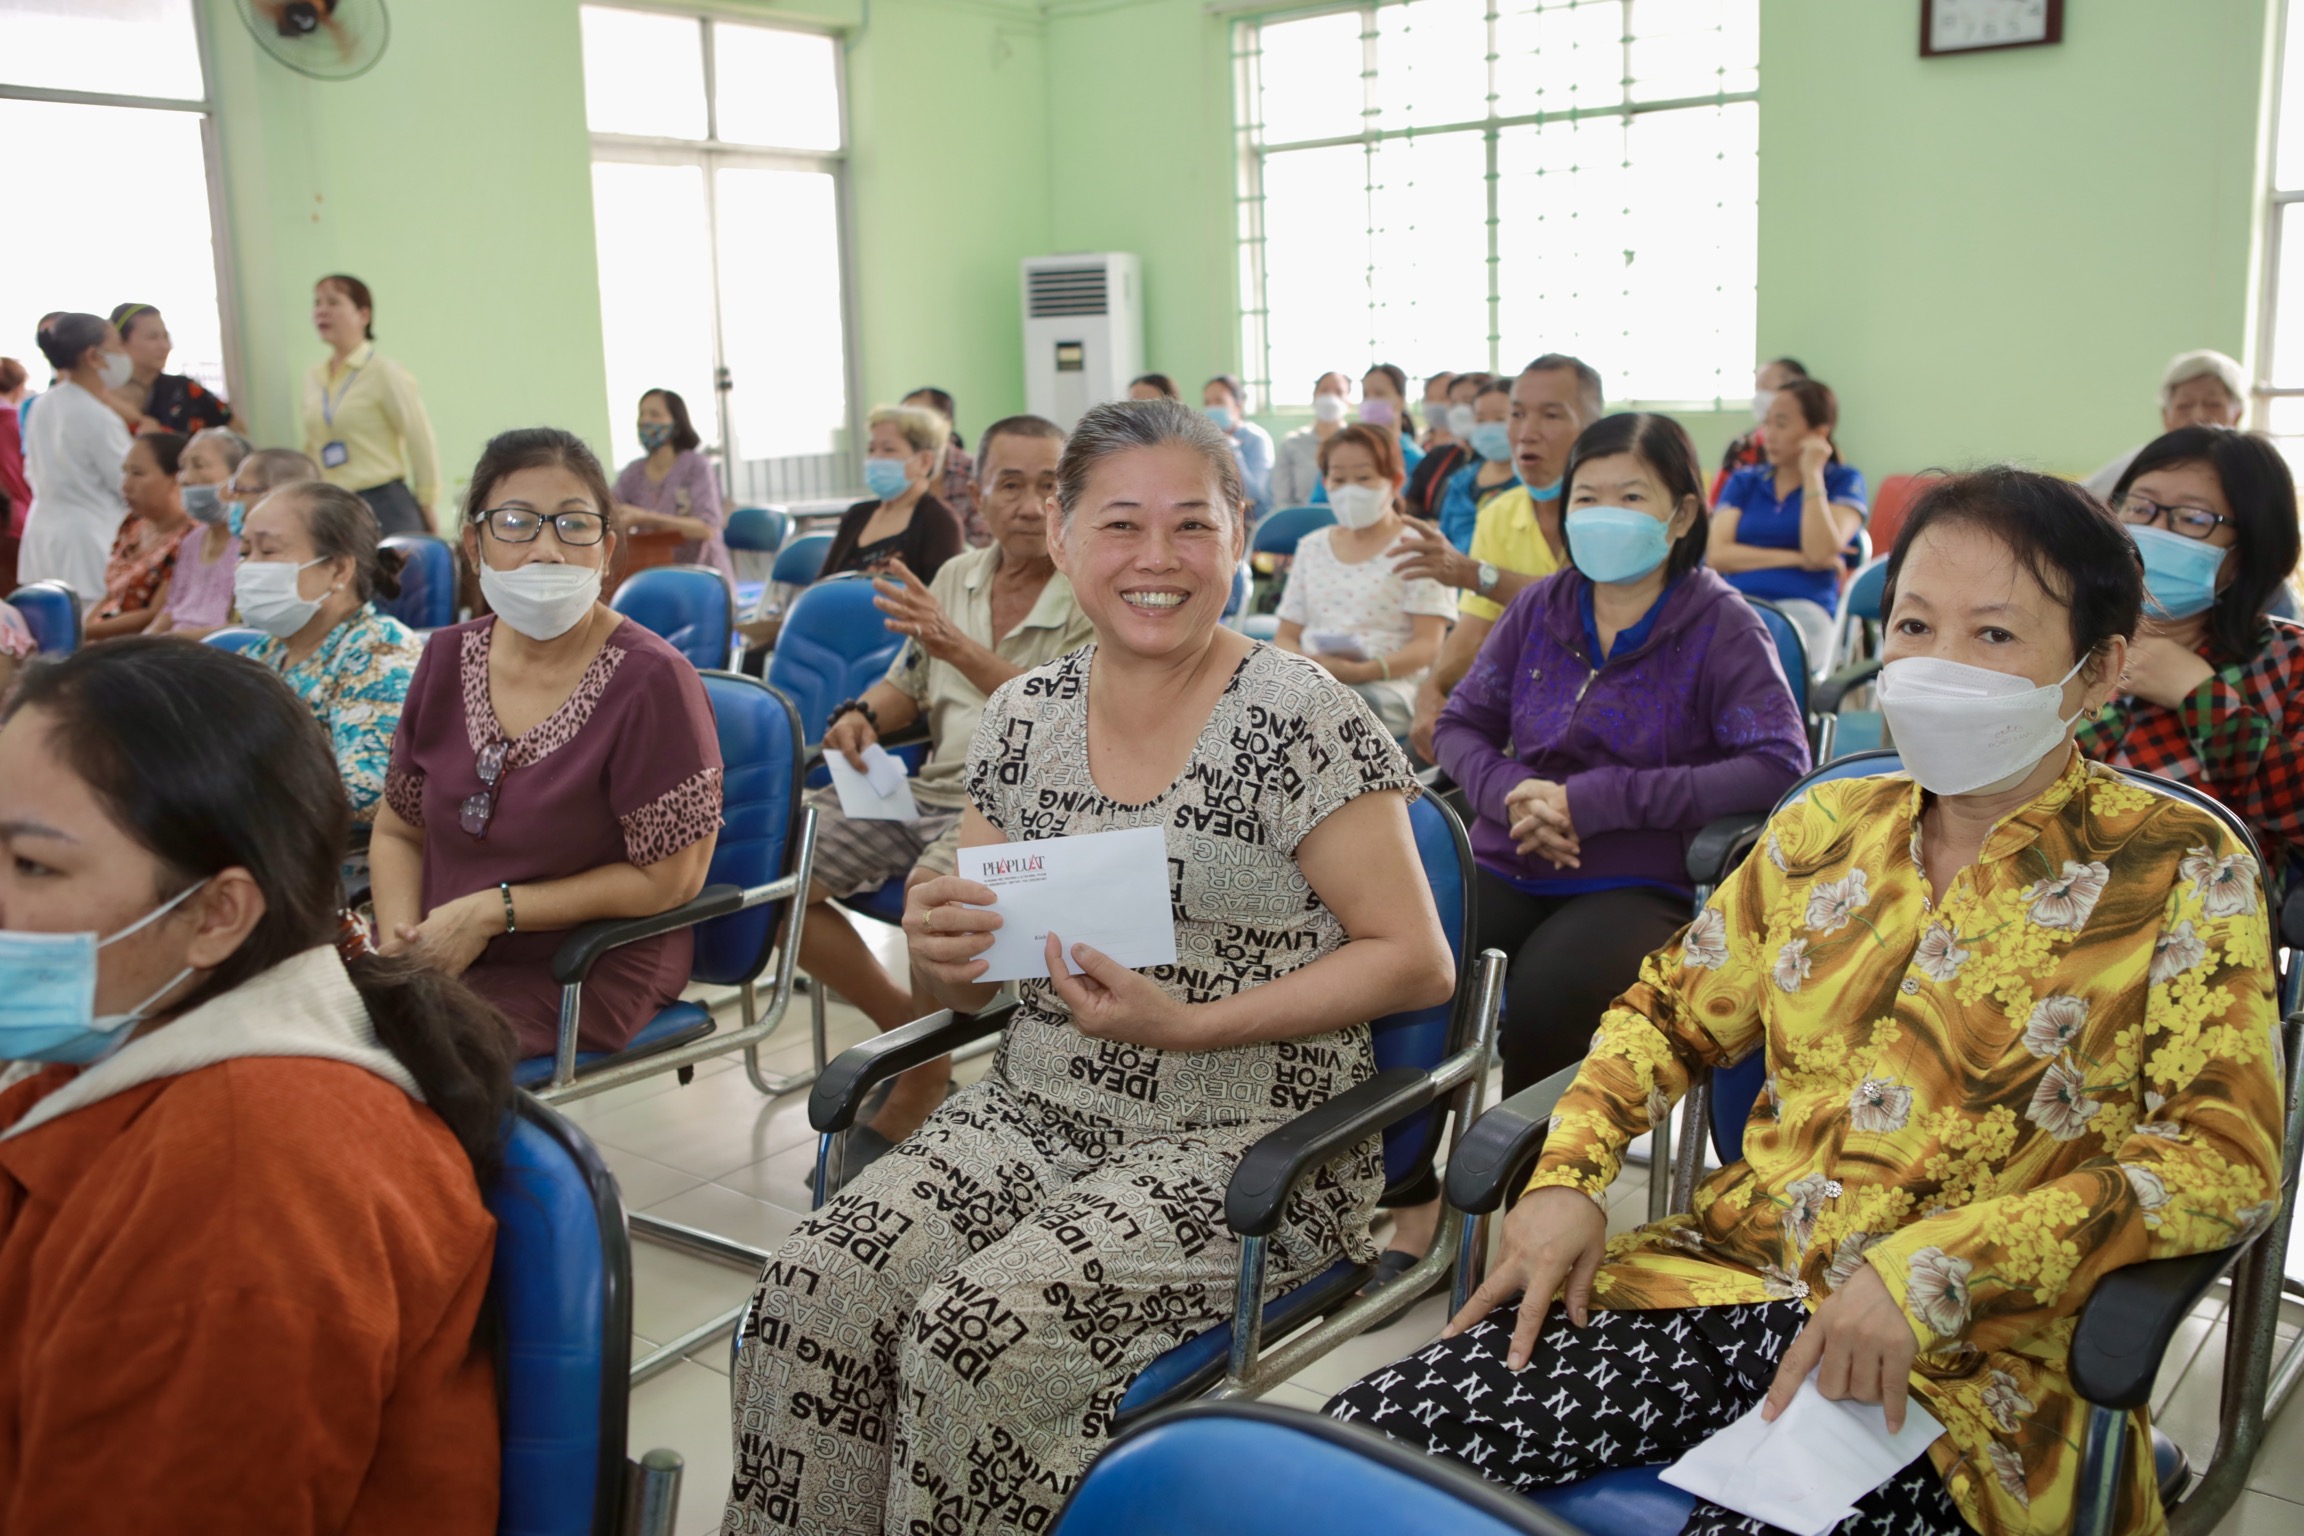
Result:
[
  {"x": 210, "y": 762},
  {"x": 2262, "y": 496}
]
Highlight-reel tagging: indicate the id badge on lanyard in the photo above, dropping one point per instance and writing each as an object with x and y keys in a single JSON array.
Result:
[{"x": 334, "y": 454}]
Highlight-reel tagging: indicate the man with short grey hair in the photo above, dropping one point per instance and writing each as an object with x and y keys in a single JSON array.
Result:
[{"x": 2205, "y": 388}]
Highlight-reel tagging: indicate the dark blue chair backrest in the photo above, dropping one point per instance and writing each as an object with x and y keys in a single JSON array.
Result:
[
  {"x": 237, "y": 638},
  {"x": 562, "y": 1286},
  {"x": 760, "y": 820},
  {"x": 1280, "y": 531},
  {"x": 1257, "y": 1469},
  {"x": 1791, "y": 650},
  {"x": 427, "y": 597},
  {"x": 1422, "y": 1038},
  {"x": 689, "y": 605},
  {"x": 801, "y": 561},
  {"x": 759, "y": 529},
  {"x": 833, "y": 646},
  {"x": 1862, "y": 599},
  {"x": 51, "y": 614},
  {"x": 1736, "y": 1089}
]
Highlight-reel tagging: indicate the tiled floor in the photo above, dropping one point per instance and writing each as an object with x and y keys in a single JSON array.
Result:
[{"x": 718, "y": 1156}]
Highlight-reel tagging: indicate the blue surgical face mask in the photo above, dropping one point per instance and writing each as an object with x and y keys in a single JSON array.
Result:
[
  {"x": 1492, "y": 440},
  {"x": 1222, "y": 416},
  {"x": 2179, "y": 573},
  {"x": 1616, "y": 543},
  {"x": 1545, "y": 492},
  {"x": 235, "y": 513},
  {"x": 886, "y": 478},
  {"x": 48, "y": 993}
]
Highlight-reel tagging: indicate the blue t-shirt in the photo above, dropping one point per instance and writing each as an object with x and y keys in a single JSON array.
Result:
[
  {"x": 1628, "y": 639},
  {"x": 1771, "y": 524},
  {"x": 1461, "y": 502}
]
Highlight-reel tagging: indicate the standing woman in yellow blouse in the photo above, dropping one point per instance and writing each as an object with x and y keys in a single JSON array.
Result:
[
  {"x": 2017, "y": 1018},
  {"x": 364, "y": 423}
]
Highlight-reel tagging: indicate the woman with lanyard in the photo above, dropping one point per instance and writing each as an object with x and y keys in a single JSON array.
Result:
[{"x": 363, "y": 420}]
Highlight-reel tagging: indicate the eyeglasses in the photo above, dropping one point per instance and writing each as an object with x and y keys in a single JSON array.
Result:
[
  {"x": 519, "y": 525},
  {"x": 480, "y": 808},
  {"x": 2191, "y": 522}
]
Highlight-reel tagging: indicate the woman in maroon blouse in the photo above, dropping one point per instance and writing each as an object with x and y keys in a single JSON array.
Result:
[{"x": 555, "y": 764}]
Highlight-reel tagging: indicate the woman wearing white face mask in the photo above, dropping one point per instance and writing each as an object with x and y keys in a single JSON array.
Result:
[
  {"x": 555, "y": 764},
  {"x": 2014, "y": 1011},
  {"x": 1224, "y": 400},
  {"x": 2214, "y": 692},
  {"x": 309, "y": 572},
  {"x": 1296, "y": 465},
  {"x": 74, "y": 445},
  {"x": 1345, "y": 605}
]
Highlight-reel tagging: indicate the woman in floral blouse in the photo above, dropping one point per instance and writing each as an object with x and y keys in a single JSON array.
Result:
[{"x": 2018, "y": 1021}]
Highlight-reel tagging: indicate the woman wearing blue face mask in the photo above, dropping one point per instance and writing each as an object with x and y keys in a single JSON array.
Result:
[
  {"x": 1492, "y": 471},
  {"x": 670, "y": 488},
  {"x": 904, "y": 520},
  {"x": 1225, "y": 401},
  {"x": 2214, "y": 691}
]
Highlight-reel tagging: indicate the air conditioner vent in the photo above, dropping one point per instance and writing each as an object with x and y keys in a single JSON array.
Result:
[{"x": 1057, "y": 291}]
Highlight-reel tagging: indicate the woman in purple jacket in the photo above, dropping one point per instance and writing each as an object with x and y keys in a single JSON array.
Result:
[{"x": 1614, "y": 710}]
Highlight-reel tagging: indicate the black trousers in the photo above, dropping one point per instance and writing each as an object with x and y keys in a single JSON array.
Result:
[
  {"x": 1569, "y": 957},
  {"x": 396, "y": 508},
  {"x": 1632, "y": 1389}
]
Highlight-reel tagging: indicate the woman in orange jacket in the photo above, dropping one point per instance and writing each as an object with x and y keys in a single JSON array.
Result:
[{"x": 243, "y": 1255}]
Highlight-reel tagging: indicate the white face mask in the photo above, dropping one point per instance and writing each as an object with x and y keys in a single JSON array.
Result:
[
  {"x": 1761, "y": 400},
  {"x": 265, "y": 593},
  {"x": 1962, "y": 729},
  {"x": 1329, "y": 407},
  {"x": 118, "y": 369},
  {"x": 1359, "y": 506},
  {"x": 540, "y": 600},
  {"x": 1460, "y": 421}
]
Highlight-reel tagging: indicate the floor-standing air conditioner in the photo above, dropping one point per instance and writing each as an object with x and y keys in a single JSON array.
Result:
[{"x": 1083, "y": 332}]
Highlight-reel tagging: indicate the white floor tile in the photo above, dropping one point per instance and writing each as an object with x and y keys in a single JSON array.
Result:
[
  {"x": 2260, "y": 1514},
  {"x": 2183, "y": 1349},
  {"x": 1355, "y": 1358},
  {"x": 722, "y": 1211},
  {"x": 1287, "y": 1396},
  {"x": 707, "y": 1128},
  {"x": 781, "y": 1180},
  {"x": 641, "y": 1181},
  {"x": 686, "y": 1409},
  {"x": 673, "y": 1292},
  {"x": 2279, "y": 1468}
]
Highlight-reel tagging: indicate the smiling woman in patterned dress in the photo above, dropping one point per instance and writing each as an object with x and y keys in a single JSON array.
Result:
[
  {"x": 941, "y": 1348},
  {"x": 2018, "y": 1022}
]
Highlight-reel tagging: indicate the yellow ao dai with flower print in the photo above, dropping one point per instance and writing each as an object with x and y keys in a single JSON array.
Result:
[{"x": 2068, "y": 1065}]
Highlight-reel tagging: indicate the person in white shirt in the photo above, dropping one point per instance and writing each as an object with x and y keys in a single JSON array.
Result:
[
  {"x": 1346, "y": 605},
  {"x": 74, "y": 446},
  {"x": 2199, "y": 389}
]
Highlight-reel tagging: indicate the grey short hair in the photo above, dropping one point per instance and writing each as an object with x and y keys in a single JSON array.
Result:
[
  {"x": 234, "y": 445},
  {"x": 1121, "y": 426},
  {"x": 1589, "y": 394},
  {"x": 2206, "y": 363}
]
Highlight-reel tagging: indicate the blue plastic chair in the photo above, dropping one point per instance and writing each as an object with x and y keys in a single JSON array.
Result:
[
  {"x": 801, "y": 561},
  {"x": 761, "y": 861},
  {"x": 562, "y": 1290},
  {"x": 52, "y": 613},
  {"x": 1792, "y": 655},
  {"x": 427, "y": 599},
  {"x": 759, "y": 530},
  {"x": 691, "y": 606},
  {"x": 1855, "y": 730},
  {"x": 834, "y": 644},
  {"x": 1429, "y": 1061},
  {"x": 1256, "y": 1469},
  {"x": 238, "y": 638},
  {"x": 1281, "y": 531}
]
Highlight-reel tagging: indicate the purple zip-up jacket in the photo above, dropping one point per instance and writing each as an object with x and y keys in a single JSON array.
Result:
[{"x": 1696, "y": 724}]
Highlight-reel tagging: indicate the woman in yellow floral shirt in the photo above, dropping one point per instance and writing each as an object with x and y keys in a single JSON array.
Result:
[{"x": 2018, "y": 1018}]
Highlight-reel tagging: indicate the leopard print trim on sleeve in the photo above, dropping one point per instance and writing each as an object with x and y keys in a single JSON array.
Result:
[
  {"x": 683, "y": 815},
  {"x": 404, "y": 792}
]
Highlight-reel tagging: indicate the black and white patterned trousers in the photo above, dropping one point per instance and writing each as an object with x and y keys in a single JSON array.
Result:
[{"x": 1632, "y": 1389}]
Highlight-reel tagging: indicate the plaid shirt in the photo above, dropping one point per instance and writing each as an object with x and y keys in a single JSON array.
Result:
[{"x": 2234, "y": 736}]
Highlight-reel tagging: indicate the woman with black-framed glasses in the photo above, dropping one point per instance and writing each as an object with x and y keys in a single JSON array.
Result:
[
  {"x": 555, "y": 764},
  {"x": 2214, "y": 693}
]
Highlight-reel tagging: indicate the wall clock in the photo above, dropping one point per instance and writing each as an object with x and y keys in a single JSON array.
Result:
[{"x": 1976, "y": 26}]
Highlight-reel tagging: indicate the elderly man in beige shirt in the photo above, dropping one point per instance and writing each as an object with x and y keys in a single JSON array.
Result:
[{"x": 992, "y": 614}]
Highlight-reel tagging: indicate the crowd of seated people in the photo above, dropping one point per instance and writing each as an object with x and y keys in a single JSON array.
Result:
[{"x": 1553, "y": 617}]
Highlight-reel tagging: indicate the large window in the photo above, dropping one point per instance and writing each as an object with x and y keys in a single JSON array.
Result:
[
  {"x": 1444, "y": 183},
  {"x": 103, "y": 107},
  {"x": 2280, "y": 342},
  {"x": 716, "y": 190}
]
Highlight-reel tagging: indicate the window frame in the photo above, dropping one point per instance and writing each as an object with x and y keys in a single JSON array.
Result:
[
  {"x": 1248, "y": 18},
  {"x": 2265, "y": 387},
  {"x": 710, "y": 154},
  {"x": 220, "y": 241}
]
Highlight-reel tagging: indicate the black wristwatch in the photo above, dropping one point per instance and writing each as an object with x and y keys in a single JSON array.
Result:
[{"x": 855, "y": 706}]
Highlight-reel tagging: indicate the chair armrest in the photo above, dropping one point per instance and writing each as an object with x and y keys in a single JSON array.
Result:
[
  {"x": 584, "y": 946},
  {"x": 1719, "y": 846},
  {"x": 1825, "y": 696},
  {"x": 1260, "y": 1185},
  {"x": 1498, "y": 1152},
  {"x": 840, "y": 1089},
  {"x": 2128, "y": 1320},
  {"x": 913, "y": 735}
]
